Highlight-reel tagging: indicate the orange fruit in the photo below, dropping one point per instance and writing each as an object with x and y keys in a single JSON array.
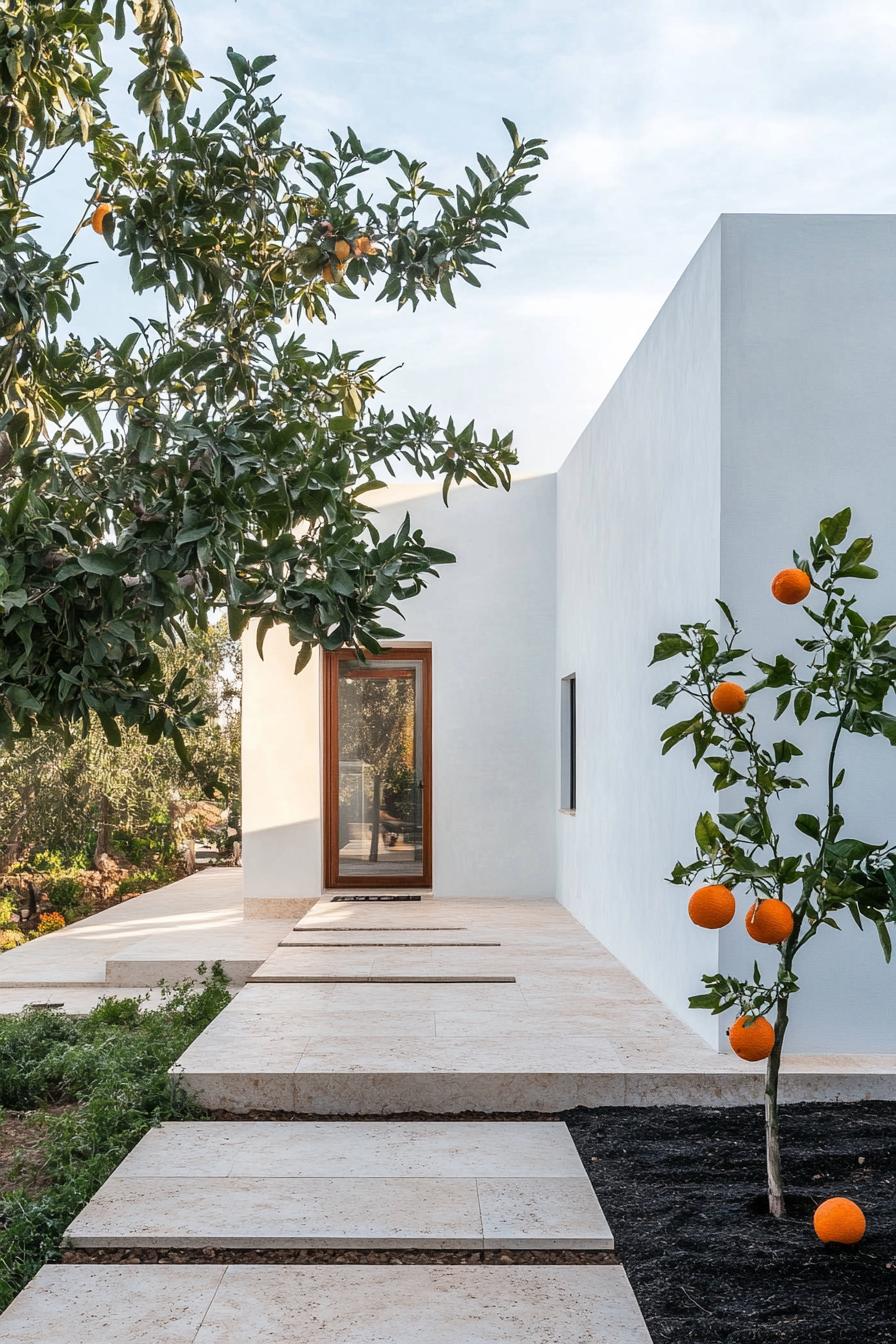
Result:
[
  {"x": 728, "y": 698},
  {"x": 839, "y": 1220},
  {"x": 332, "y": 275},
  {"x": 364, "y": 247},
  {"x": 753, "y": 1041},
  {"x": 711, "y": 907},
  {"x": 99, "y": 214},
  {"x": 341, "y": 250},
  {"x": 769, "y": 921},
  {"x": 791, "y": 586}
]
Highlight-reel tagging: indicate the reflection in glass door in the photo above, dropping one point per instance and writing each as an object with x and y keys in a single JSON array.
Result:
[{"x": 377, "y": 723}]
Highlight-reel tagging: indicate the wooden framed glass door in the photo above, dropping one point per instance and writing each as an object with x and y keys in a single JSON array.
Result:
[{"x": 378, "y": 768}]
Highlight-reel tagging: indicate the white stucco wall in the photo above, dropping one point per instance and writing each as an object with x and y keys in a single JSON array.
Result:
[
  {"x": 490, "y": 620},
  {"x": 762, "y": 398},
  {"x": 638, "y": 552},
  {"x": 281, "y": 775},
  {"x": 809, "y": 426}
]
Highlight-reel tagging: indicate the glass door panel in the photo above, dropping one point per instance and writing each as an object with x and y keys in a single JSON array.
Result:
[{"x": 378, "y": 761}]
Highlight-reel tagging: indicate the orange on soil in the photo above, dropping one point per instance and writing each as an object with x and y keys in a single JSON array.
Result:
[
  {"x": 769, "y": 921},
  {"x": 728, "y": 698},
  {"x": 341, "y": 250},
  {"x": 99, "y": 214},
  {"x": 839, "y": 1220},
  {"x": 791, "y": 586},
  {"x": 753, "y": 1041},
  {"x": 711, "y": 907}
]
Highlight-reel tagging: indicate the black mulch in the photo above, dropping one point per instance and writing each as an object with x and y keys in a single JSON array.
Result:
[{"x": 682, "y": 1188}]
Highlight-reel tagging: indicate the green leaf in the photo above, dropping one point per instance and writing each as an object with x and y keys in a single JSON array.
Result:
[
  {"x": 809, "y": 825},
  {"x": 188, "y": 534},
  {"x": 303, "y": 657},
  {"x": 667, "y": 646},
  {"x": 17, "y": 504},
  {"x": 707, "y": 834},
  {"x": 886, "y": 942},
  {"x": 834, "y": 529},
  {"x": 237, "y": 620},
  {"x": 101, "y": 562},
  {"x": 802, "y": 705},
  {"x": 110, "y": 729},
  {"x": 264, "y": 626}
]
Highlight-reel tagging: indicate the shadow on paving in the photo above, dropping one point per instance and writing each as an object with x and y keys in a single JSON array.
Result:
[{"x": 681, "y": 1188}]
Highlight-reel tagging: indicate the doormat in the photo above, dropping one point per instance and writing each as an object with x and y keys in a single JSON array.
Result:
[{"x": 379, "y": 896}]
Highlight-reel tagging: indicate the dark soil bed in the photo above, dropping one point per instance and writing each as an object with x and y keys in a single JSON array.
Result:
[{"x": 681, "y": 1188}]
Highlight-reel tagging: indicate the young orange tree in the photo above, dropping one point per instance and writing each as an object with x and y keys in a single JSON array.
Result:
[{"x": 799, "y": 875}]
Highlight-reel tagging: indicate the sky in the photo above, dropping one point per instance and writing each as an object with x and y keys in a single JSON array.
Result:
[{"x": 659, "y": 116}]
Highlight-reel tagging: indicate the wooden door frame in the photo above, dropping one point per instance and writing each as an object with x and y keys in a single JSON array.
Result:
[{"x": 421, "y": 653}]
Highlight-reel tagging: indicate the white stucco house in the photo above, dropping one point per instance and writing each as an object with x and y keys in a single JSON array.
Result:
[{"x": 762, "y": 398}]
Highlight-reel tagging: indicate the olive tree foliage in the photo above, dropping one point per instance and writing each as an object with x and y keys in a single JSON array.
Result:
[
  {"x": 212, "y": 458},
  {"x": 844, "y": 677},
  {"x": 80, "y": 798}
]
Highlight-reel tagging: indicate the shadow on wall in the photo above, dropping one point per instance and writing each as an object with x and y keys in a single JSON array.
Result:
[{"x": 283, "y": 862}]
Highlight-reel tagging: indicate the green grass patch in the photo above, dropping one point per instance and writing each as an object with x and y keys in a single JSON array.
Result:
[{"x": 94, "y": 1086}]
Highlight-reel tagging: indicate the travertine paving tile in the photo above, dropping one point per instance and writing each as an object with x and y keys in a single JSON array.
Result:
[
  {"x": 329, "y": 1304},
  {"x": 348, "y": 1185},
  {"x": 275, "y": 1212},
  {"x": 412, "y": 1304},
  {"x": 134, "y": 1304},
  {"x": 398, "y": 1148},
  {"x": 486, "y": 1054},
  {"x": 236, "y": 1041},
  {"x": 292, "y": 964},
  {"x": 557, "y": 1213},
  {"x": 74, "y": 1000},
  {"x": 385, "y": 938}
]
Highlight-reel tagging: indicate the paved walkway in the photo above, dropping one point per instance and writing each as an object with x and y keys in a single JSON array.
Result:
[
  {"x": 433, "y": 1008},
  {"x": 474, "y": 1186},
  {"x": 130, "y": 947},
  {"x": 326, "y": 1304},
  {"x": 490, "y": 1006}
]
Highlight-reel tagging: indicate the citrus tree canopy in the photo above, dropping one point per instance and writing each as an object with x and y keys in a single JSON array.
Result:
[{"x": 212, "y": 457}]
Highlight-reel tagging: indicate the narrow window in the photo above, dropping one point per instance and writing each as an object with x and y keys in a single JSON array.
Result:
[{"x": 568, "y": 744}]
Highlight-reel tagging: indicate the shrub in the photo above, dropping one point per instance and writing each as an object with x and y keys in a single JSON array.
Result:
[
  {"x": 8, "y": 908},
  {"x": 147, "y": 879},
  {"x": 47, "y": 861},
  {"x": 111, "y": 1069},
  {"x": 67, "y": 895},
  {"x": 10, "y": 938},
  {"x": 51, "y": 922}
]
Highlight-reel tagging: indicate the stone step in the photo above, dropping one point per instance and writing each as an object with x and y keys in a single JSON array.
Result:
[
  {"x": 443, "y": 1049},
  {"x": 176, "y": 955},
  {"x": 73, "y": 1000},
  {"x": 311, "y": 931},
  {"x": 408, "y": 965},
  {"x": 427, "y": 1185},
  {"x": 326, "y": 1304},
  {"x": 354, "y": 939}
]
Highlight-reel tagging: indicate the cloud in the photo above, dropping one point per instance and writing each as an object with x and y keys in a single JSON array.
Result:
[{"x": 660, "y": 115}]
